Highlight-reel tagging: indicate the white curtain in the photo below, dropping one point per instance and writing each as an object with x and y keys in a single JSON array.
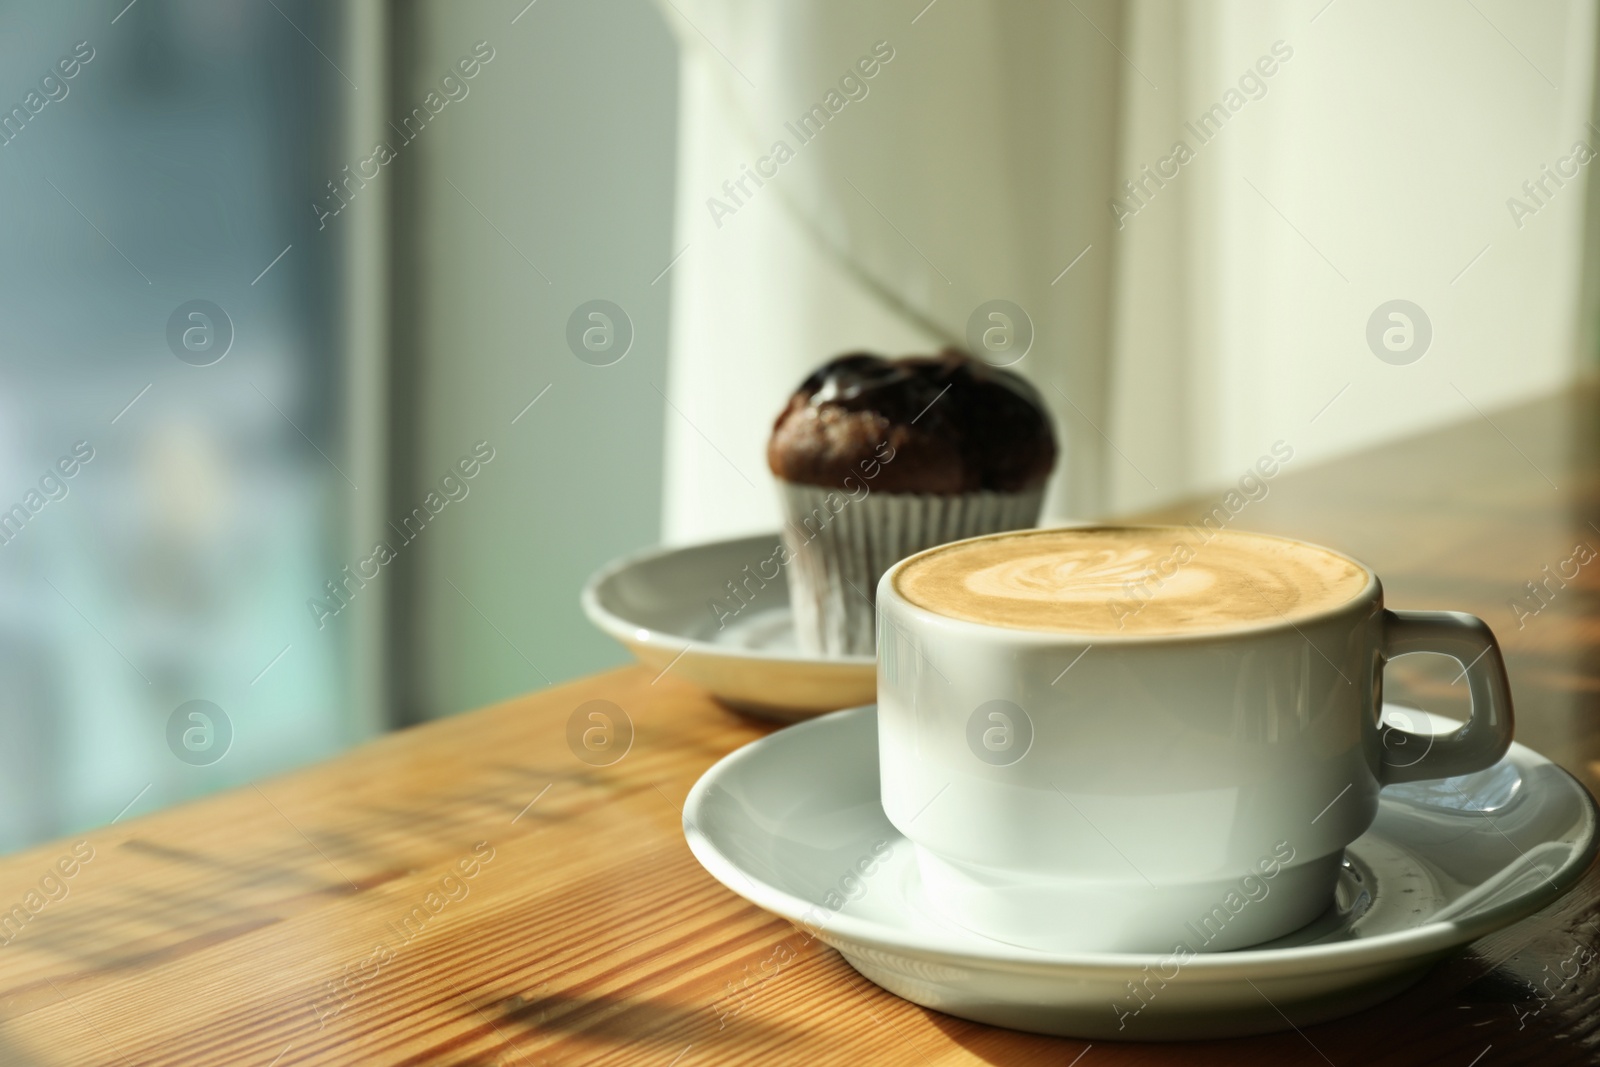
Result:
[
  {"x": 970, "y": 166},
  {"x": 1363, "y": 152}
]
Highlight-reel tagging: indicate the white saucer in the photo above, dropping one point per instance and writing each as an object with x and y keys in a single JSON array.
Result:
[
  {"x": 791, "y": 822},
  {"x": 658, "y": 605}
]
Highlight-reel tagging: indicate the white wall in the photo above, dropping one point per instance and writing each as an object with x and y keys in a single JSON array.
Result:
[
  {"x": 558, "y": 161},
  {"x": 1390, "y": 141}
]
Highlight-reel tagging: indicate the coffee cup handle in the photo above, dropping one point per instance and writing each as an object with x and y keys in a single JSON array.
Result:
[{"x": 1486, "y": 735}]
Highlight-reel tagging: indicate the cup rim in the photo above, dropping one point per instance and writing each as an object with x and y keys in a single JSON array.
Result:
[{"x": 1370, "y": 597}]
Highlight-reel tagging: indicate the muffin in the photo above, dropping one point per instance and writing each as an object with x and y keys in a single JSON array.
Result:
[{"x": 879, "y": 458}]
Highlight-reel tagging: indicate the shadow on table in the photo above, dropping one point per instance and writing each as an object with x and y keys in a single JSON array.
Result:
[
  {"x": 609, "y": 1021},
  {"x": 13, "y": 1055}
]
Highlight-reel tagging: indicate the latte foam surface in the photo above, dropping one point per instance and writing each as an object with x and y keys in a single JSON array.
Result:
[{"x": 1130, "y": 580}]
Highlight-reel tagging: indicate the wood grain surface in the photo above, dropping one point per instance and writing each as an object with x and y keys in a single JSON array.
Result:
[{"x": 470, "y": 892}]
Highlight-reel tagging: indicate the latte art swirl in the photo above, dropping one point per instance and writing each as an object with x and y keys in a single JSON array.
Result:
[
  {"x": 1090, "y": 576},
  {"x": 1151, "y": 580}
]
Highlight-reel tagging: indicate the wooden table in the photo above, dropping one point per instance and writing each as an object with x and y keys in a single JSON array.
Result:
[{"x": 469, "y": 892}]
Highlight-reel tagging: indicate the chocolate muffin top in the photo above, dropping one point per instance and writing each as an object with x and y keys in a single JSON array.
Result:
[{"x": 931, "y": 424}]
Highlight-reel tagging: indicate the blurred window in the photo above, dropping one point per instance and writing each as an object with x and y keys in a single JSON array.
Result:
[{"x": 167, "y": 467}]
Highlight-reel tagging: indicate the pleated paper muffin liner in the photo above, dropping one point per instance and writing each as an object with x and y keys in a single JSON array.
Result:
[{"x": 839, "y": 547}]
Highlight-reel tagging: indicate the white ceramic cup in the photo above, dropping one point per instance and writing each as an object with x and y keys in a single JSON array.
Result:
[{"x": 1126, "y": 793}]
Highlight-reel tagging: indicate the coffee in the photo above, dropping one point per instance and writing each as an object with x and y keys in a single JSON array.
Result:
[{"x": 1155, "y": 581}]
